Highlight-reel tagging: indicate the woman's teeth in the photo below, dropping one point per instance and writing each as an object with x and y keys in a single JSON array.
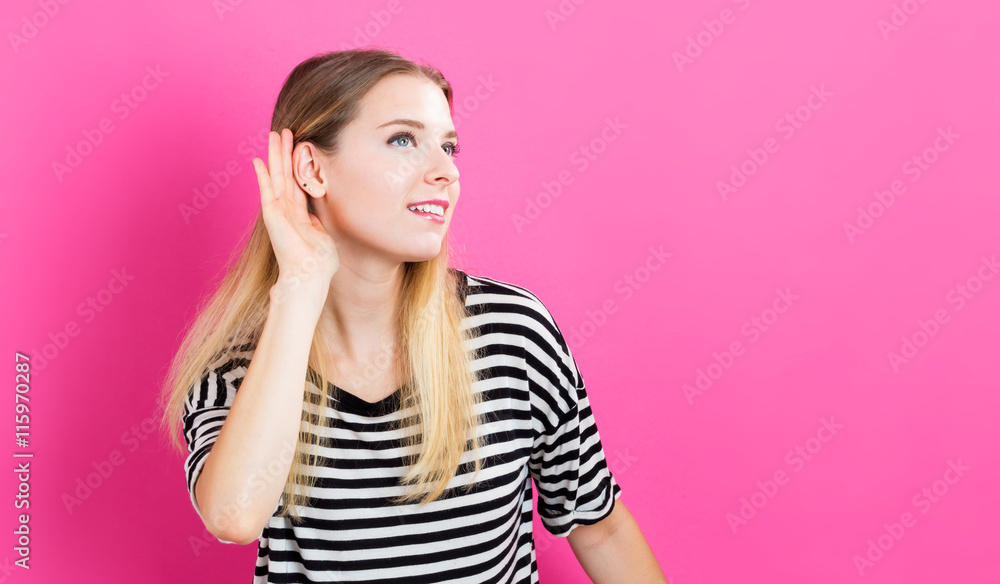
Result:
[{"x": 435, "y": 209}]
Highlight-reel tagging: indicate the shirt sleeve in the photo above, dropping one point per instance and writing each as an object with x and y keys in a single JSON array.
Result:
[
  {"x": 568, "y": 464},
  {"x": 205, "y": 410}
]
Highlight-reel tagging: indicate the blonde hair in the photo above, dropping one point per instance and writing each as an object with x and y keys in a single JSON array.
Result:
[{"x": 318, "y": 99}]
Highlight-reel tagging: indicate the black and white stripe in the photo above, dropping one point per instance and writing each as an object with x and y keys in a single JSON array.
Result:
[{"x": 539, "y": 426}]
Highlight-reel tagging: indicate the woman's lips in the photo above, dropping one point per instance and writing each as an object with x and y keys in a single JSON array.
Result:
[{"x": 431, "y": 216}]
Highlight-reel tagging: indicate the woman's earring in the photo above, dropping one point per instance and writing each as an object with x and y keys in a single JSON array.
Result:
[{"x": 310, "y": 188}]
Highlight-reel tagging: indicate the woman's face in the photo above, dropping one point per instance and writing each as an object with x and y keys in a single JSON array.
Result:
[{"x": 398, "y": 152}]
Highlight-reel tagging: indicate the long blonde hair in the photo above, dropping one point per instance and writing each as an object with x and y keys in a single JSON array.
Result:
[{"x": 318, "y": 99}]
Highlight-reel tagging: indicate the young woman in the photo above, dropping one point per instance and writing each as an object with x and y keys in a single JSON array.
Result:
[{"x": 361, "y": 409}]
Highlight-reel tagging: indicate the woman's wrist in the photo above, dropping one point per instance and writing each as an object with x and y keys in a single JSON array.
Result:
[{"x": 299, "y": 297}]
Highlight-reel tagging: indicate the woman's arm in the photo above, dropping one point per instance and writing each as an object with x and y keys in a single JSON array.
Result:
[
  {"x": 614, "y": 550},
  {"x": 238, "y": 487}
]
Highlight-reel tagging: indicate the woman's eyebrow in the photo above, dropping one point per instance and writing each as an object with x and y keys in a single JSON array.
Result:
[{"x": 417, "y": 125}]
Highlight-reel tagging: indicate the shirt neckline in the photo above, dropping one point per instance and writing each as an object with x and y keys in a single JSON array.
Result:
[
  {"x": 355, "y": 404},
  {"x": 352, "y": 402},
  {"x": 390, "y": 403}
]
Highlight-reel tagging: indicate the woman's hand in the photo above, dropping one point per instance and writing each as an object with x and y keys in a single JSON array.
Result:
[{"x": 305, "y": 252}]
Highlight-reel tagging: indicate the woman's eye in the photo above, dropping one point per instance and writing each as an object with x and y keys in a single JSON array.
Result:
[
  {"x": 401, "y": 136},
  {"x": 452, "y": 148}
]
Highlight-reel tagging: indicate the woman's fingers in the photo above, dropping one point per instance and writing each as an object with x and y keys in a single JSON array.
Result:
[
  {"x": 277, "y": 179},
  {"x": 295, "y": 193},
  {"x": 274, "y": 163},
  {"x": 297, "y": 236},
  {"x": 264, "y": 181},
  {"x": 286, "y": 160}
]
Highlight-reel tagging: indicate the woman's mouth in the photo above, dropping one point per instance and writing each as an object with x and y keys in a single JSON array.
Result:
[{"x": 432, "y": 212}]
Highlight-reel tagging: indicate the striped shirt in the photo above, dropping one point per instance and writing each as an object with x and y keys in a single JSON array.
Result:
[{"x": 539, "y": 427}]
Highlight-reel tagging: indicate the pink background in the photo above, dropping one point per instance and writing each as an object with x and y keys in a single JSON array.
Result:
[{"x": 534, "y": 97}]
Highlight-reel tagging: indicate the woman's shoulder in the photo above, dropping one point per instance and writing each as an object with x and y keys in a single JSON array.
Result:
[
  {"x": 504, "y": 296},
  {"x": 514, "y": 309},
  {"x": 478, "y": 283},
  {"x": 235, "y": 353}
]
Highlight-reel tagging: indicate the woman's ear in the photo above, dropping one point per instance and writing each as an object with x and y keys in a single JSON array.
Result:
[{"x": 307, "y": 170}]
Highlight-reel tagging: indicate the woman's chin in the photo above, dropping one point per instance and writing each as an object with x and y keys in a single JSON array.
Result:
[{"x": 423, "y": 250}]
